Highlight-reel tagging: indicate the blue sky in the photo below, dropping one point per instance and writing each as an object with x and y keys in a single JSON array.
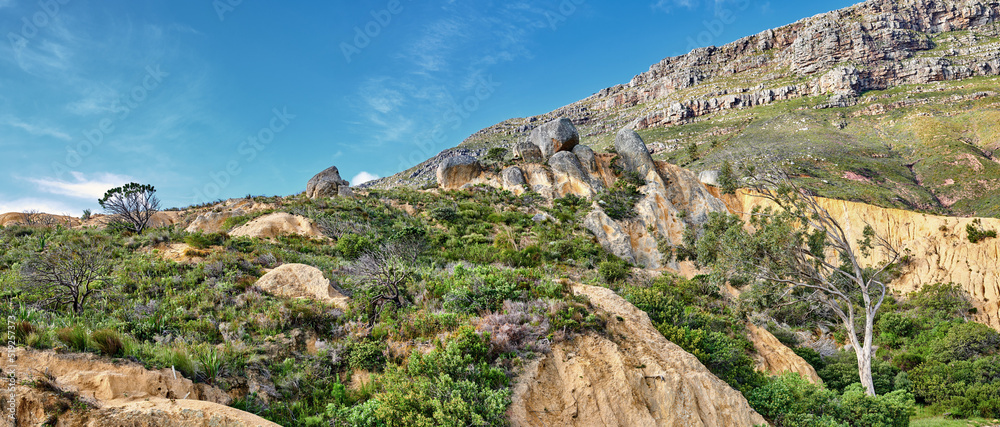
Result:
[{"x": 215, "y": 99}]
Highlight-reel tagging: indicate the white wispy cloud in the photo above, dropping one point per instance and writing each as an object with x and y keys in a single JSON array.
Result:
[
  {"x": 35, "y": 129},
  {"x": 363, "y": 177},
  {"x": 82, "y": 186},
  {"x": 669, "y": 5}
]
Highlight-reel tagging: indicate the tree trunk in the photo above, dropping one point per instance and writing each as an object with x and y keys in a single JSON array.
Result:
[
  {"x": 864, "y": 355},
  {"x": 865, "y": 370}
]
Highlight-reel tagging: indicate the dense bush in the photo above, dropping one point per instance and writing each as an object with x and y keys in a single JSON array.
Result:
[
  {"x": 789, "y": 400},
  {"x": 368, "y": 355},
  {"x": 966, "y": 341},
  {"x": 450, "y": 386},
  {"x": 613, "y": 270}
]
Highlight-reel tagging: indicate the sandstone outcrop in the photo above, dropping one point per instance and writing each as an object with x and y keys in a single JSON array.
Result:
[
  {"x": 775, "y": 358},
  {"x": 939, "y": 247},
  {"x": 212, "y": 220},
  {"x": 115, "y": 394},
  {"x": 672, "y": 197},
  {"x": 455, "y": 172},
  {"x": 555, "y": 136},
  {"x": 639, "y": 378},
  {"x": 301, "y": 281},
  {"x": 571, "y": 176},
  {"x": 278, "y": 224},
  {"x": 327, "y": 184}
]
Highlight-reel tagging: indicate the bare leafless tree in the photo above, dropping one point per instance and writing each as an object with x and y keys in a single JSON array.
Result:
[
  {"x": 131, "y": 204},
  {"x": 384, "y": 271},
  {"x": 803, "y": 253},
  {"x": 69, "y": 273}
]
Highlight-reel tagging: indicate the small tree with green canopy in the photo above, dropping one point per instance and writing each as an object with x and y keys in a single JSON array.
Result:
[
  {"x": 131, "y": 204},
  {"x": 727, "y": 178},
  {"x": 798, "y": 251}
]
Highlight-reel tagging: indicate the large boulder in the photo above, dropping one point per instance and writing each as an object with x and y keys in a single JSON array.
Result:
[
  {"x": 327, "y": 184},
  {"x": 587, "y": 157},
  {"x": 571, "y": 176},
  {"x": 610, "y": 234},
  {"x": 301, "y": 281},
  {"x": 633, "y": 151},
  {"x": 278, "y": 224},
  {"x": 455, "y": 172},
  {"x": 638, "y": 378},
  {"x": 555, "y": 136},
  {"x": 709, "y": 177},
  {"x": 528, "y": 152},
  {"x": 513, "y": 177}
]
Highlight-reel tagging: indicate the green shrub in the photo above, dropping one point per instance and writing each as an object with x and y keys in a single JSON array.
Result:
[
  {"x": 941, "y": 300},
  {"x": 978, "y": 400},
  {"x": 841, "y": 371},
  {"x": 367, "y": 355},
  {"x": 966, "y": 341},
  {"x": 727, "y": 179},
  {"x": 444, "y": 213},
  {"x": 450, "y": 386},
  {"x": 810, "y": 356},
  {"x": 235, "y": 221},
  {"x": 210, "y": 362},
  {"x": 529, "y": 257},
  {"x": 486, "y": 294},
  {"x": 203, "y": 241},
  {"x": 108, "y": 342},
  {"x": 790, "y": 400},
  {"x": 976, "y": 233},
  {"x": 613, "y": 270},
  {"x": 352, "y": 246},
  {"x": 889, "y": 410}
]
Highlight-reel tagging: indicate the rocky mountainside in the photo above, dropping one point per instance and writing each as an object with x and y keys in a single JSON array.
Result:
[{"x": 872, "y": 102}]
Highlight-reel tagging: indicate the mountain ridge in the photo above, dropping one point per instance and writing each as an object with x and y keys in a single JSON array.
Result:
[{"x": 840, "y": 61}]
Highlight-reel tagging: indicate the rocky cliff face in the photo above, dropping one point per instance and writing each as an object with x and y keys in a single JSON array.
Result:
[
  {"x": 939, "y": 247},
  {"x": 633, "y": 376}
]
